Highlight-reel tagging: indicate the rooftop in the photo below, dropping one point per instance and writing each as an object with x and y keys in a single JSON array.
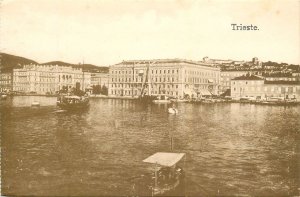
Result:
[
  {"x": 164, "y": 158},
  {"x": 248, "y": 77},
  {"x": 153, "y": 61},
  {"x": 283, "y": 82}
]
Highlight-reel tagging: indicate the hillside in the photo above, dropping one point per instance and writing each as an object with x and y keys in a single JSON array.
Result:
[
  {"x": 86, "y": 67},
  {"x": 59, "y": 63},
  {"x": 9, "y": 62}
]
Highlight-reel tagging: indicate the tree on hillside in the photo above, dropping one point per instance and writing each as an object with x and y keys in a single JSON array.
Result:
[
  {"x": 77, "y": 92},
  {"x": 104, "y": 90},
  {"x": 96, "y": 89},
  {"x": 63, "y": 90}
]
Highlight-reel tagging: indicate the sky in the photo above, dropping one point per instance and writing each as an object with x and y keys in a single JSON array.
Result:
[{"x": 106, "y": 32}]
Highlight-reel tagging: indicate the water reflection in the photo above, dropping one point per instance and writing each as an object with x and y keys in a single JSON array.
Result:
[{"x": 232, "y": 149}]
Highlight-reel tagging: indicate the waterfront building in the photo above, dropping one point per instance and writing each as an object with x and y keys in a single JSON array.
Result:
[
  {"x": 49, "y": 79},
  {"x": 175, "y": 77},
  {"x": 99, "y": 78},
  {"x": 259, "y": 88},
  {"x": 275, "y": 78},
  {"x": 296, "y": 75},
  {"x": 6, "y": 81},
  {"x": 226, "y": 76},
  {"x": 68, "y": 77}
]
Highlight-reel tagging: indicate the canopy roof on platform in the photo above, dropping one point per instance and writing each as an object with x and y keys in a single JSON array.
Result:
[
  {"x": 164, "y": 159},
  {"x": 204, "y": 92}
]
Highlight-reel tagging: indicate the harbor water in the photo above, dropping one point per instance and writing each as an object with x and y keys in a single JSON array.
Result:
[{"x": 231, "y": 148}]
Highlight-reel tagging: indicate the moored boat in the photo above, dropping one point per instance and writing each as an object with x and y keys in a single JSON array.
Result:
[
  {"x": 3, "y": 96},
  {"x": 72, "y": 102},
  {"x": 162, "y": 99}
]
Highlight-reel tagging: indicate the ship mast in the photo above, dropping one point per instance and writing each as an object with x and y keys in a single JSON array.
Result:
[
  {"x": 132, "y": 81},
  {"x": 148, "y": 79},
  {"x": 83, "y": 76}
]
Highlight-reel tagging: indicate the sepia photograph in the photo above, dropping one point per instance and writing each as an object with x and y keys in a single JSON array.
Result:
[{"x": 149, "y": 98}]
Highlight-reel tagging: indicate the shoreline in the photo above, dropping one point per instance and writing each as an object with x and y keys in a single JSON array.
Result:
[{"x": 206, "y": 102}]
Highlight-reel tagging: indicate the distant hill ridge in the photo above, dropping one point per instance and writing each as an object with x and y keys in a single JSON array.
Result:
[{"x": 9, "y": 62}]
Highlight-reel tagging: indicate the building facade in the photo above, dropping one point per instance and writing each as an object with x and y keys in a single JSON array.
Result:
[
  {"x": 6, "y": 81},
  {"x": 101, "y": 79},
  {"x": 49, "y": 79},
  {"x": 258, "y": 88},
  {"x": 174, "y": 77},
  {"x": 226, "y": 76}
]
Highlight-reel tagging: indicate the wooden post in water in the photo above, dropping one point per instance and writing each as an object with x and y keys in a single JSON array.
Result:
[
  {"x": 155, "y": 184},
  {"x": 184, "y": 171}
]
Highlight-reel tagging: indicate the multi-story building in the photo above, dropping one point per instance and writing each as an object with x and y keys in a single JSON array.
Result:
[
  {"x": 256, "y": 87},
  {"x": 44, "y": 79},
  {"x": 98, "y": 78},
  {"x": 226, "y": 76},
  {"x": 296, "y": 75},
  {"x": 6, "y": 81},
  {"x": 69, "y": 77},
  {"x": 292, "y": 78},
  {"x": 174, "y": 77}
]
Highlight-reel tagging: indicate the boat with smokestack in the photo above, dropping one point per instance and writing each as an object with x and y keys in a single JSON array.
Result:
[{"x": 72, "y": 102}]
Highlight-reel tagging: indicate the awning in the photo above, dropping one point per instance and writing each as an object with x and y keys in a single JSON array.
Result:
[
  {"x": 72, "y": 97},
  {"x": 189, "y": 92},
  {"x": 164, "y": 159},
  {"x": 204, "y": 92}
]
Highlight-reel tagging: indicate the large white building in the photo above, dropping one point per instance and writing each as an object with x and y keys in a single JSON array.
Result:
[
  {"x": 6, "y": 79},
  {"x": 98, "y": 78},
  {"x": 42, "y": 79},
  {"x": 174, "y": 77}
]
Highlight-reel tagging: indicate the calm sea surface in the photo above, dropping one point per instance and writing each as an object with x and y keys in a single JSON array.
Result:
[{"x": 232, "y": 149}]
